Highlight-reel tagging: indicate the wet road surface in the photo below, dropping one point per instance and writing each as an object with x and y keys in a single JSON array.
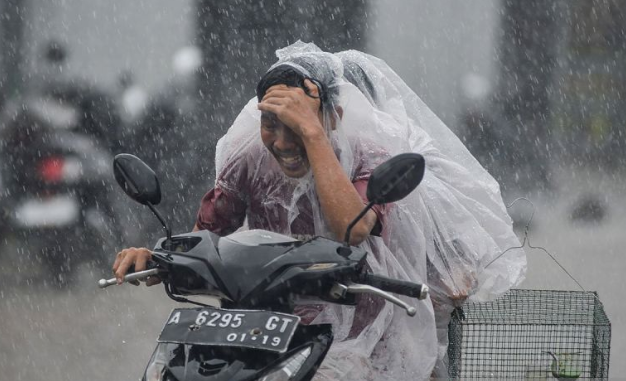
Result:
[{"x": 85, "y": 333}]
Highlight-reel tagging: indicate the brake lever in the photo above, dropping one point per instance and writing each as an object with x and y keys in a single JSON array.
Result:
[
  {"x": 339, "y": 291},
  {"x": 141, "y": 275}
]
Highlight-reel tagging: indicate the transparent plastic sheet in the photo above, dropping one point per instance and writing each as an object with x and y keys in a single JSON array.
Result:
[
  {"x": 391, "y": 346},
  {"x": 469, "y": 220},
  {"x": 464, "y": 224}
]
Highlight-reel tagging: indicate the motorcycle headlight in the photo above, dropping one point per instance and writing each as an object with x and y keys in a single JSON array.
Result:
[
  {"x": 289, "y": 367},
  {"x": 155, "y": 371},
  {"x": 156, "y": 368}
]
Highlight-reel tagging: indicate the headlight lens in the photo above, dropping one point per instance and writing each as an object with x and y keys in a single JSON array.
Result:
[
  {"x": 155, "y": 371},
  {"x": 156, "y": 368},
  {"x": 289, "y": 367}
]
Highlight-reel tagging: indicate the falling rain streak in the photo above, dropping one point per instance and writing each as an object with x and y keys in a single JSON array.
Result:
[{"x": 535, "y": 90}]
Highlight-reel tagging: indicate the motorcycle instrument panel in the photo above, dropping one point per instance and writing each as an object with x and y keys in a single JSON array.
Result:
[{"x": 266, "y": 330}]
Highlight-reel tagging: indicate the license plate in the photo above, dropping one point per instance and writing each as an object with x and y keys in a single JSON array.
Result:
[{"x": 266, "y": 330}]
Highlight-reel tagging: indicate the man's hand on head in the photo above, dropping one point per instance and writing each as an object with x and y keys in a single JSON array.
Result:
[
  {"x": 295, "y": 108},
  {"x": 300, "y": 112}
]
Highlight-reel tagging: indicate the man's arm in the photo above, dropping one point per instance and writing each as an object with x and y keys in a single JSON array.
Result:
[
  {"x": 221, "y": 212},
  {"x": 339, "y": 200}
]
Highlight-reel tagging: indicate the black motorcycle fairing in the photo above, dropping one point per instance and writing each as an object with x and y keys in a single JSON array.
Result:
[
  {"x": 196, "y": 267},
  {"x": 257, "y": 275},
  {"x": 186, "y": 262},
  {"x": 215, "y": 363}
]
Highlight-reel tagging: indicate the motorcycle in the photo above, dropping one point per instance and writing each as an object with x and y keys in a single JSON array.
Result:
[
  {"x": 56, "y": 182},
  {"x": 256, "y": 275}
]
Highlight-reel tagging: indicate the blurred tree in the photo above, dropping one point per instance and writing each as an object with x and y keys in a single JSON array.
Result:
[
  {"x": 11, "y": 32},
  {"x": 238, "y": 40},
  {"x": 590, "y": 109},
  {"x": 527, "y": 59},
  {"x": 561, "y": 86}
]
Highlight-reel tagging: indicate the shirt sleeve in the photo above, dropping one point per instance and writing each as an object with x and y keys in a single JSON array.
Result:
[
  {"x": 361, "y": 187},
  {"x": 221, "y": 212}
]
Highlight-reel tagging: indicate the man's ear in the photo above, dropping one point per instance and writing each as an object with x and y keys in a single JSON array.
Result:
[
  {"x": 339, "y": 112},
  {"x": 312, "y": 88}
]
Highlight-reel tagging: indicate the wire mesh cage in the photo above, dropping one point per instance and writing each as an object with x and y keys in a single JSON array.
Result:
[{"x": 531, "y": 335}]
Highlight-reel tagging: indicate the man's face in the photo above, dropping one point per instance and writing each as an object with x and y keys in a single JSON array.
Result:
[{"x": 285, "y": 145}]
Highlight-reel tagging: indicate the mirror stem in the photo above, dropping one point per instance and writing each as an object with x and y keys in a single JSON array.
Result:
[
  {"x": 357, "y": 219},
  {"x": 168, "y": 231}
]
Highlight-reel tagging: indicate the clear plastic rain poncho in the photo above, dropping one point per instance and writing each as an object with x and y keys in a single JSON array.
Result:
[
  {"x": 470, "y": 245},
  {"x": 452, "y": 225}
]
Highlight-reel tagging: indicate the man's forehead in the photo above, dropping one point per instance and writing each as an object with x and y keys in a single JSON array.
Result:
[{"x": 279, "y": 86}]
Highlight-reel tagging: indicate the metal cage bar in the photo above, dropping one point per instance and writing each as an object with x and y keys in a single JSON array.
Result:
[{"x": 531, "y": 334}]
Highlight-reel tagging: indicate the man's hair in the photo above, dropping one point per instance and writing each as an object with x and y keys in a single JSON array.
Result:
[
  {"x": 321, "y": 75},
  {"x": 280, "y": 75}
]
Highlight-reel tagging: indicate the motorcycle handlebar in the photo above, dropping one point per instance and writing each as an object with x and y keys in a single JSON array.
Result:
[
  {"x": 400, "y": 287},
  {"x": 140, "y": 275}
]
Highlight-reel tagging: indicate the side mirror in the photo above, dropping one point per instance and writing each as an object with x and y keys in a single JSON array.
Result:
[
  {"x": 391, "y": 181},
  {"x": 140, "y": 183},
  {"x": 394, "y": 179},
  {"x": 137, "y": 179}
]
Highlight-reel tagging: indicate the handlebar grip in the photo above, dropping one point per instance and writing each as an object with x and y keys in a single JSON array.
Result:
[
  {"x": 141, "y": 275},
  {"x": 149, "y": 266},
  {"x": 401, "y": 287}
]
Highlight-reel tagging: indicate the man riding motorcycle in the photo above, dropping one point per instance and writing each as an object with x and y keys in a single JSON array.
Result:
[{"x": 320, "y": 138}]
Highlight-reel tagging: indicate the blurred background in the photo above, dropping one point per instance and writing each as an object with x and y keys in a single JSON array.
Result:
[{"x": 535, "y": 89}]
